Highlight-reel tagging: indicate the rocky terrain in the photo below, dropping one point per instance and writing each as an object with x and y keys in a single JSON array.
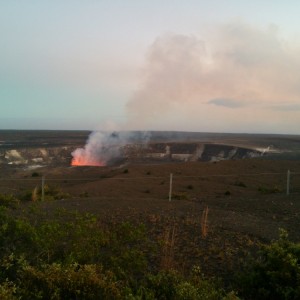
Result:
[
  {"x": 183, "y": 152},
  {"x": 229, "y": 193},
  {"x": 41, "y": 148}
]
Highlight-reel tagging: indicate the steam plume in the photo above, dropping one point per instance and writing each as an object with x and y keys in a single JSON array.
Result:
[
  {"x": 219, "y": 82},
  {"x": 104, "y": 148},
  {"x": 240, "y": 79}
]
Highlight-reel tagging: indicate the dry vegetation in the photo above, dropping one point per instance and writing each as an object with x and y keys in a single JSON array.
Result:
[{"x": 219, "y": 213}]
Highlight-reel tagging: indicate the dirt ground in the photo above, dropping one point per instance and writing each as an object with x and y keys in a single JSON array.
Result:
[{"x": 246, "y": 204}]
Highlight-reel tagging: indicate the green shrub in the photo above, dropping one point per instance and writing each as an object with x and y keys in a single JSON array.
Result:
[
  {"x": 275, "y": 274},
  {"x": 8, "y": 291},
  {"x": 126, "y": 246},
  {"x": 54, "y": 193},
  {"x": 75, "y": 256},
  {"x": 69, "y": 282},
  {"x": 186, "y": 291},
  {"x": 173, "y": 285},
  {"x": 16, "y": 236},
  {"x": 8, "y": 201},
  {"x": 50, "y": 193},
  {"x": 164, "y": 284},
  {"x": 26, "y": 195}
]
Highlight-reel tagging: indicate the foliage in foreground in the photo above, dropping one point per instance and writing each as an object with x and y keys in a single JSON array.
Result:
[
  {"x": 9, "y": 200},
  {"x": 75, "y": 256},
  {"x": 50, "y": 193},
  {"x": 275, "y": 274}
]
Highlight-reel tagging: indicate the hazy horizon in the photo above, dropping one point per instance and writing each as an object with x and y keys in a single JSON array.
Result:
[
  {"x": 155, "y": 131},
  {"x": 192, "y": 66}
]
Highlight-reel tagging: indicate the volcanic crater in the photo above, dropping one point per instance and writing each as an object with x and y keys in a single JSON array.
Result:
[{"x": 55, "y": 148}]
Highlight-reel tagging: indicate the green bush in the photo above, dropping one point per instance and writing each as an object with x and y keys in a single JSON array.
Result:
[
  {"x": 8, "y": 291},
  {"x": 8, "y": 201},
  {"x": 73, "y": 281},
  {"x": 54, "y": 193},
  {"x": 26, "y": 195},
  {"x": 164, "y": 284},
  {"x": 50, "y": 193},
  {"x": 276, "y": 272},
  {"x": 16, "y": 235},
  {"x": 126, "y": 245},
  {"x": 75, "y": 256},
  {"x": 173, "y": 285}
]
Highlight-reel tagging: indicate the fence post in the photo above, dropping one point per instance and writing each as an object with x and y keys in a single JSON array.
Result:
[
  {"x": 171, "y": 186},
  {"x": 43, "y": 188},
  {"x": 288, "y": 182}
]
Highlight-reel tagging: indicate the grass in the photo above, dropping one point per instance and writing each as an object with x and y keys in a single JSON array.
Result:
[{"x": 9, "y": 200}]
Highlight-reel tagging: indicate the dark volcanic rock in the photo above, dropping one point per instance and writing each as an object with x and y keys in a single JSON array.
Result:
[{"x": 35, "y": 148}]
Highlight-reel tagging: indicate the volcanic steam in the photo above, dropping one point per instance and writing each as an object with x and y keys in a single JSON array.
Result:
[
  {"x": 217, "y": 83},
  {"x": 105, "y": 148}
]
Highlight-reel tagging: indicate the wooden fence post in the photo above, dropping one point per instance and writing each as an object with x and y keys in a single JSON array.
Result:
[
  {"x": 43, "y": 188},
  {"x": 288, "y": 182},
  {"x": 171, "y": 187}
]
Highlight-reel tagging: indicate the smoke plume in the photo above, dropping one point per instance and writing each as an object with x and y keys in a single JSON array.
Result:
[
  {"x": 105, "y": 148},
  {"x": 238, "y": 79}
]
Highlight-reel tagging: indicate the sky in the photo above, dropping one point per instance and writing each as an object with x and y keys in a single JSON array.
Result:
[{"x": 210, "y": 66}]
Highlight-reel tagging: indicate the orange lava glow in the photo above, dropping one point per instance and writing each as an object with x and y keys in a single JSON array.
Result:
[{"x": 83, "y": 162}]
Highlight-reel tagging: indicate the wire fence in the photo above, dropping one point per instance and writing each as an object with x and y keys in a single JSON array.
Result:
[{"x": 171, "y": 186}]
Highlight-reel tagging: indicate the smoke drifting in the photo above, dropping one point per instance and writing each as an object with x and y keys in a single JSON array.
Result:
[
  {"x": 239, "y": 79},
  {"x": 219, "y": 83},
  {"x": 105, "y": 148}
]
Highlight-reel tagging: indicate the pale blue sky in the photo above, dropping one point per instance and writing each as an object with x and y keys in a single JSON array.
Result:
[{"x": 88, "y": 64}]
